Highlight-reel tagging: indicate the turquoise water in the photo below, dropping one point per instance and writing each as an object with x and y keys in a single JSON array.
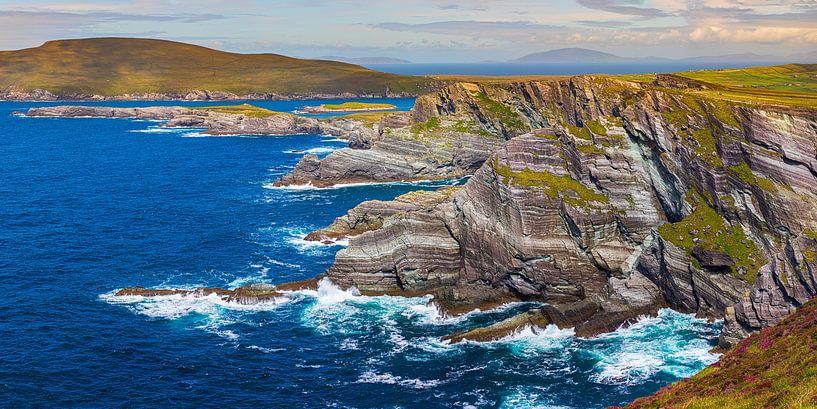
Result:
[{"x": 88, "y": 206}]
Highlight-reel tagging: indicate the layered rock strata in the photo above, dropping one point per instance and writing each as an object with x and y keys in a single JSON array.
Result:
[{"x": 621, "y": 198}]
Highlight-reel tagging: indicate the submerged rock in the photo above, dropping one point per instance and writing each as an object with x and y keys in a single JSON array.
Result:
[{"x": 245, "y": 295}]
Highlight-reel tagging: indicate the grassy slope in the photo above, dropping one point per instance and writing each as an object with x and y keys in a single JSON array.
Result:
[
  {"x": 356, "y": 106},
  {"x": 115, "y": 66},
  {"x": 790, "y": 77},
  {"x": 775, "y": 368},
  {"x": 790, "y": 85}
]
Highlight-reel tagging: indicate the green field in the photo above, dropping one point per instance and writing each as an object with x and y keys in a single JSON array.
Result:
[
  {"x": 116, "y": 66},
  {"x": 357, "y": 106},
  {"x": 790, "y": 85},
  {"x": 789, "y": 78},
  {"x": 243, "y": 109}
]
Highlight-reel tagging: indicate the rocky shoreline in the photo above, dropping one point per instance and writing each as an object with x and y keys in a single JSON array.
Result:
[
  {"x": 224, "y": 121},
  {"x": 42, "y": 95},
  {"x": 601, "y": 199},
  {"x": 609, "y": 200}
]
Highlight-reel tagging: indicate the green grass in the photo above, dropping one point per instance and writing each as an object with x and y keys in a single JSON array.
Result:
[
  {"x": 366, "y": 117},
  {"x": 714, "y": 234},
  {"x": 429, "y": 125},
  {"x": 744, "y": 172},
  {"x": 499, "y": 111},
  {"x": 353, "y": 106},
  {"x": 596, "y": 127},
  {"x": 570, "y": 190},
  {"x": 790, "y": 77},
  {"x": 774, "y": 368},
  {"x": 589, "y": 149},
  {"x": 244, "y": 109},
  {"x": 116, "y": 66},
  {"x": 578, "y": 132}
]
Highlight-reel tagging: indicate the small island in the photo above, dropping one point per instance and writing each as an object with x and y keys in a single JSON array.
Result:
[{"x": 348, "y": 107}]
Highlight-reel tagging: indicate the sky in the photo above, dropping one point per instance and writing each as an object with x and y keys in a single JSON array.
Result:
[{"x": 429, "y": 30}]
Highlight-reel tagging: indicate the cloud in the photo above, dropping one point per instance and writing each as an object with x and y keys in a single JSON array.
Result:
[
  {"x": 768, "y": 35},
  {"x": 605, "y": 23},
  {"x": 625, "y": 7},
  {"x": 467, "y": 27}
]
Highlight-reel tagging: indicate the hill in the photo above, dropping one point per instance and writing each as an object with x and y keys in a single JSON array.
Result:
[
  {"x": 116, "y": 66},
  {"x": 775, "y": 368},
  {"x": 571, "y": 55}
]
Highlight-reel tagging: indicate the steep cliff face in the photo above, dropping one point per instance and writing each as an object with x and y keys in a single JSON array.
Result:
[{"x": 618, "y": 197}]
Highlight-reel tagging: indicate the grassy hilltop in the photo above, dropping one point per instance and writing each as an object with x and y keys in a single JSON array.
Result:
[{"x": 116, "y": 66}]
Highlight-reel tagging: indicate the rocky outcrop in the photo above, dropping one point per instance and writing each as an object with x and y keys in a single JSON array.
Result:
[
  {"x": 371, "y": 215},
  {"x": 620, "y": 198},
  {"x": 249, "y": 294},
  {"x": 20, "y": 94},
  {"x": 244, "y": 295},
  {"x": 215, "y": 121}
]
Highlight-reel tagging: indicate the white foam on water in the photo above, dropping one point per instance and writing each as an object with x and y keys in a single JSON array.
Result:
[
  {"x": 652, "y": 345},
  {"x": 180, "y": 305},
  {"x": 296, "y": 237},
  {"x": 425, "y": 183},
  {"x": 528, "y": 398},
  {"x": 317, "y": 151},
  {"x": 532, "y": 340},
  {"x": 157, "y": 129},
  {"x": 389, "y": 379},
  {"x": 345, "y": 312},
  {"x": 265, "y": 350},
  {"x": 196, "y": 135},
  {"x": 330, "y": 138}
]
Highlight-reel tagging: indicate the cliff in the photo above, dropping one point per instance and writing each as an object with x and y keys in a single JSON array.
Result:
[
  {"x": 132, "y": 68},
  {"x": 609, "y": 199}
]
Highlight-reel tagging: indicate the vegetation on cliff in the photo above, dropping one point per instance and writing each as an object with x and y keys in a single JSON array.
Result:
[
  {"x": 774, "y": 368},
  {"x": 790, "y": 77},
  {"x": 247, "y": 110},
  {"x": 357, "y": 106},
  {"x": 705, "y": 228},
  {"x": 555, "y": 186},
  {"x": 117, "y": 66}
]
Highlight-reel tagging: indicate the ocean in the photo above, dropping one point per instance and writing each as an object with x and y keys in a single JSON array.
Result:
[{"x": 88, "y": 206}]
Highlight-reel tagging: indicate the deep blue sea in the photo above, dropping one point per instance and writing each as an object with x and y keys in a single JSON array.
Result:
[{"x": 88, "y": 206}]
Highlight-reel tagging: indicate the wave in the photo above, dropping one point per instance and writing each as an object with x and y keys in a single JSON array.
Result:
[
  {"x": 213, "y": 313},
  {"x": 330, "y": 138},
  {"x": 296, "y": 237},
  {"x": 389, "y": 379},
  {"x": 157, "y": 129},
  {"x": 670, "y": 343},
  {"x": 180, "y": 305},
  {"x": 529, "y": 397},
  {"x": 319, "y": 150},
  {"x": 423, "y": 183}
]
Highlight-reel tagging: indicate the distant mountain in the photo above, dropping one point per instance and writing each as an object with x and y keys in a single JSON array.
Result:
[
  {"x": 364, "y": 60},
  {"x": 572, "y": 55},
  {"x": 117, "y": 66},
  {"x": 587, "y": 56}
]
